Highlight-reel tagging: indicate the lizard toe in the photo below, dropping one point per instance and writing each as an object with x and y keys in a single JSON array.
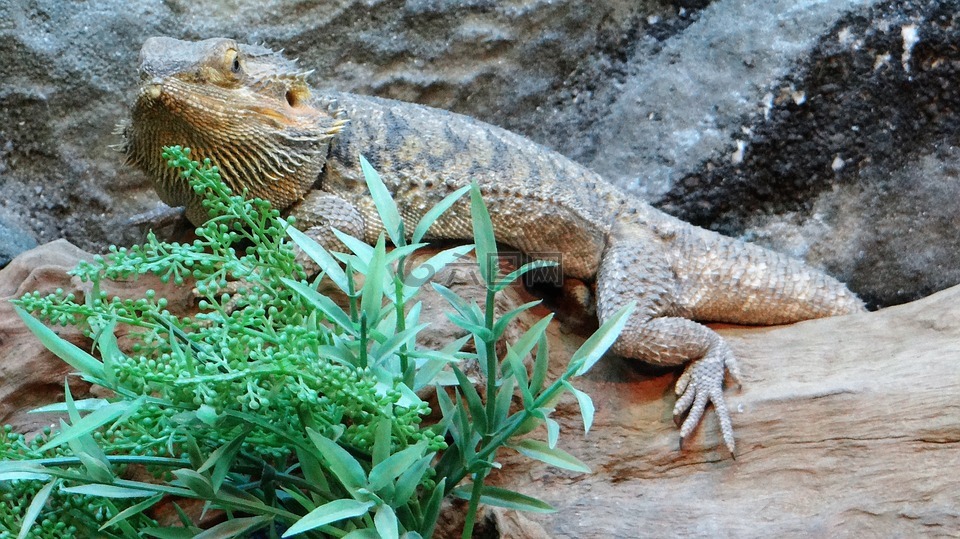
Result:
[{"x": 702, "y": 384}]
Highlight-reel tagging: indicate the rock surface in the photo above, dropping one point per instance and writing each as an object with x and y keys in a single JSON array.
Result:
[
  {"x": 30, "y": 376},
  {"x": 849, "y": 161},
  {"x": 845, "y": 427},
  {"x": 823, "y": 129}
]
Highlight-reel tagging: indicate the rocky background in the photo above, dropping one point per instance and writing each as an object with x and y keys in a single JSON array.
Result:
[{"x": 827, "y": 130}]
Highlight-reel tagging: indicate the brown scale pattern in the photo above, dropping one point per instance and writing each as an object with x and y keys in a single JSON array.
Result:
[{"x": 251, "y": 112}]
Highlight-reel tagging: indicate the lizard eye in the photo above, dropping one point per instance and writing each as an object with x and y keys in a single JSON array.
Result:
[{"x": 233, "y": 60}]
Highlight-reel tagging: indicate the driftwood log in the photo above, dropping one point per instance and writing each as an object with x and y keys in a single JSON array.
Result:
[{"x": 845, "y": 427}]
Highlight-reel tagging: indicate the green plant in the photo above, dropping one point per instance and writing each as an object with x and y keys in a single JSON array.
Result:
[{"x": 275, "y": 405}]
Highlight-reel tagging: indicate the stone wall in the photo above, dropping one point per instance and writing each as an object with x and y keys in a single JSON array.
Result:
[{"x": 823, "y": 129}]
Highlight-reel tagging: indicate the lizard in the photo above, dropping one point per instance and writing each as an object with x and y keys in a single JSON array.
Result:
[{"x": 252, "y": 112}]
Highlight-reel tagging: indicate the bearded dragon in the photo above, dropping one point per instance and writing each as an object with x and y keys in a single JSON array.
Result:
[{"x": 254, "y": 115}]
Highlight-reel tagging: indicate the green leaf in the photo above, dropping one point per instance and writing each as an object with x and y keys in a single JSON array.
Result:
[
  {"x": 553, "y": 432},
  {"x": 586, "y": 405},
  {"x": 84, "y": 446},
  {"x": 410, "y": 479},
  {"x": 340, "y": 352},
  {"x": 17, "y": 470},
  {"x": 230, "y": 493},
  {"x": 324, "y": 304},
  {"x": 196, "y": 482},
  {"x": 431, "y": 511},
  {"x": 34, "y": 509},
  {"x": 435, "y": 212},
  {"x": 530, "y": 338},
  {"x": 72, "y": 355},
  {"x": 403, "y": 251},
  {"x": 330, "y": 267},
  {"x": 593, "y": 349},
  {"x": 432, "y": 373},
  {"x": 470, "y": 433},
  {"x": 300, "y": 498},
  {"x": 108, "y": 491},
  {"x": 519, "y": 372},
  {"x": 538, "y": 450},
  {"x": 502, "y": 497},
  {"x": 132, "y": 510},
  {"x": 531, "y": 423},
  {"x": 382, "y": 441},
  {"x": 501, "y": 325},
  {"x": 91, "y": 422},
  {"x": 221, "y": 459},
  {"x": 109, "y": 351},
  {"x": 479, "y": 331},
  {"x": 235, "y": 527},
  {"x": 430, "y": 267},
  {"x": 477, "y": 412},
  {"x": 361, "y": 249},
  {"x": 97, "y": 470},
  {"x": 169, "y": 533},
  {"x": 312, "y": 469},
  {"x": 515, "y": 274},
  {"x": 386, "y": 522},
  {"x": 72, "y": 413},
  {"x": 84, "y": 405},
  {"x": 453, "y": 299},
  {"x": 327, "y": 513},
  {"x": 504, "y": 398},
  {"x": 386, "y": 207},
  {"x": 363, "y": 533},
  {"x": 483, "y": 238},
  {"x": 23, "y": 476},
  {"x": 340, "y": 461},
  {"x": 394, "y": 465},
  {"x": 207, "y": 414},
  {"x": 371, "y": 299},
  {"x": 193, "y": 450},
  {"x": 392, "y": 344},
  {"x": 540, "y": 365},
  {"x": 443, "y": 401},
  {"x": 184, "y": 517}
]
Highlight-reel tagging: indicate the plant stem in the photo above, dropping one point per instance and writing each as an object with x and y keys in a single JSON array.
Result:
[
  {"x": 491, "y": 350},
  {"x": 474, "y": 504}
]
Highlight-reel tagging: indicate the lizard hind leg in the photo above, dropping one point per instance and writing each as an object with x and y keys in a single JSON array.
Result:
[{"x": 634, "y": 269}]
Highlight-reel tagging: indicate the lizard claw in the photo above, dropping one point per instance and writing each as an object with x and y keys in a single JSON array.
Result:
[{"x": 702, "y": 383}]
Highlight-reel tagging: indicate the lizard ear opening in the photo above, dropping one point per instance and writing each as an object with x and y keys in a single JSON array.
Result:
[{"x": 296, "y": 96}]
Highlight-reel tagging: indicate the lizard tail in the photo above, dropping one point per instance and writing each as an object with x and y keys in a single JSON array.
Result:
[{"x": 727, "y": 280}]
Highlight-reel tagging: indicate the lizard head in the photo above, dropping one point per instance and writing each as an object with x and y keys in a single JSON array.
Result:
[{"x": 245, "y": 107}]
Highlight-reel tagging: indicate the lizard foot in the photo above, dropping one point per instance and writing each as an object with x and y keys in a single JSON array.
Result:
[{"x": 702, "y": 383}]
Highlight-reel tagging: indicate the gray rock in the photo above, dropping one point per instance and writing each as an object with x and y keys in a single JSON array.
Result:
[
  {"x": 70, "y": 72},
  {"x": 779, "y": 121},
  {"x": 13, "y": 238},
  {"x": 853, "y": 167},
  {"x": 687, "y": 101}
]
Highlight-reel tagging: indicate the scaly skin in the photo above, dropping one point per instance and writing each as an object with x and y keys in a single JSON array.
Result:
[{"x": 252, "y": 113}]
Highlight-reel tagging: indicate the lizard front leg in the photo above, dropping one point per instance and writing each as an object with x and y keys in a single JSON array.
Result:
[
  {"x": 634, "y": 268},
  {"x": 318, "y": 214}
]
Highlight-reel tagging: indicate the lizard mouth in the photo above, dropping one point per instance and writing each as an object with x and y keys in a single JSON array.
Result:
[{"x": 151, "y": 91}]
